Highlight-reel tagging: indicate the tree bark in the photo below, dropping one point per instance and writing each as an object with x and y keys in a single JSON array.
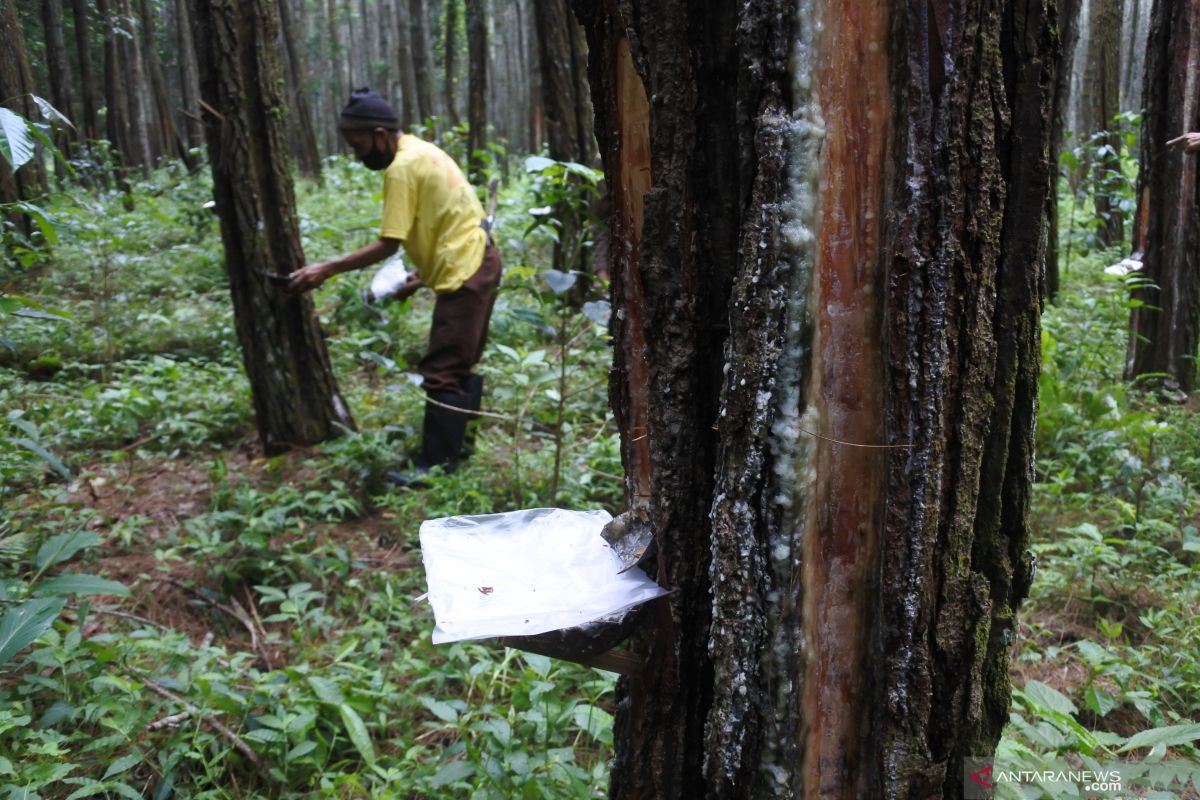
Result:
[
  {"x": 826, "y": 290},
  {"x": 301, "y": 117},
  {"x": 1165, "y": 330},
  {"x": 406, "y": 68},
  {"x": 87, "y": 80},
  {"x": 1068, "y": 28},
  {"x": 450, "y": 80},
  {"x": 59, "y": 69},
  {"x": 339, "y": 87},
  {"x": 296, "y": 399},
  {"x": 189, "y": 77},
  {"x": 1104, "y": 82},
  {"x": 422, "y": 61},
  {"x": 565, "y": 95},
  {"x": 477, "y": 112},
  {"x": 143, "y": 144},
  {"x": 163, "y": 116}
]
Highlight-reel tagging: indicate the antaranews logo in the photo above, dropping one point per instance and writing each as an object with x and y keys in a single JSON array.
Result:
[{"x": 977, "y": 779}]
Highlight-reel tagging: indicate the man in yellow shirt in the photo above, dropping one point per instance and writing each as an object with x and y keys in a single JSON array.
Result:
[{"x": 431, "y": 209}]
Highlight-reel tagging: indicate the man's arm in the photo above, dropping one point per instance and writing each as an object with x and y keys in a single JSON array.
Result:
[
  {"x": 1190, "y": 142},
  {"x": 314, "y": 275}
]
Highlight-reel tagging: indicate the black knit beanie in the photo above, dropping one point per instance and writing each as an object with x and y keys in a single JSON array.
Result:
[{"x": 367, "y": 110}]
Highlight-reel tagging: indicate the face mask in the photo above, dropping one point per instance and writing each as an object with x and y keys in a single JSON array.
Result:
[{"x": 377, "y": 159}]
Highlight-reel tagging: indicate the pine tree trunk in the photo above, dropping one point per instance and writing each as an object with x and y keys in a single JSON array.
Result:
[
  {"x": 826, "y": 292},
  {"x": 296, "y": 399},
  {"x": 339, "y": 87},
  {"x": 59, "y": 69},
  {"x": 1104, "y": 65},
  {"x": 422, "y": 62},
  {"x": 300, "y": 117},
  {"x": 1165, "y": 331},
  {"x": 477, "y": 62},
  {"x": 450, "y": 48},
  {"x": 142, "y": 139},
  {"x": 162, "y": 115},
  {"x": 87, "y": 77},
  {"x": 1068, "y": 27},
  {"x": 406, "y": 67},
  {"x": 189, "y": 76}
]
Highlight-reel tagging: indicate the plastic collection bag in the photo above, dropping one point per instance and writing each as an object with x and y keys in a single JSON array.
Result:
[{"x": 524, "y": 572}]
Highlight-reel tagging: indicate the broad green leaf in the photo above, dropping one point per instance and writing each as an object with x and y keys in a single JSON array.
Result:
[
  {"x": 1099, "y": 701},
  {"x": 596, "y": 721},
  {"x": 122, "y": 764},
  {"x": 454, "y": 771},
  {"x": 1169, "y": 736},
  {"x": 326, "y": 690},
  {"x": 58, "y": 549},
  {"x": 21, "y": 625},
  {"x": 538, "y": 163},
  {"x": 357, "y": 731},
  {"x": 1043, "y": 696},
  {"x": 54, "y": 461},
  {"x": 80, "y": 583},
  {"x": 89, "y": 789},
  {"x": 16, "y": 141},
  {"x": 300, "y": 750},
  {"x": 442, "y": 710}
]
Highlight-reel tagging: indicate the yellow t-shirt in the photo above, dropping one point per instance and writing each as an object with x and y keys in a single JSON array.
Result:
[{"x": 429, "y": 206}]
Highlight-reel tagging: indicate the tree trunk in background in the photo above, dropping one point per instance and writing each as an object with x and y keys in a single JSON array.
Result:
[
  {"x": 16, "y": 86},
  {"x": 450, "y": 50},
  {"x": 59, "y": 69},
  {"x": 477, "y": 60},
  {"x": 90, "y": 126},
  {"x": 354, "y": 56},
  {"x": 1068, "y": 27},
  {"x": 532, "y": 56},
  {"x": 568, "y": 131},
  {"x": 300, "y": 116},
  {"x": 1164, "y": 332},
  {"x": 422, "y": 62},
  {"x": 339, "y": 87},
  {"x": 296, "y": 399},
  {"x": 826, "y": 352},
  {"x": 1104, "y": 77},
  {"x": 162, "y": 114},
  {"x": 406, "y": 67},
  {"x": 189, "y": 77},
  {"x": 145, "y": 147}
]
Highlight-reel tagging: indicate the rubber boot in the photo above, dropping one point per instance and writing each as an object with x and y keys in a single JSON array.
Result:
[
  {"x": 441, "y": 438},
  {"x": 473, "y": 387}
]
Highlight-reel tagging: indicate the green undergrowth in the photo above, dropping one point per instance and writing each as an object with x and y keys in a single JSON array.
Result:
[
  {"x": 204, "y": 622},
  {"x": 1107, "y": 669}
]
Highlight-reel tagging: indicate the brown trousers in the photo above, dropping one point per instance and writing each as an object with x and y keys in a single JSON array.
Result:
[{"x": 460, "y": 328}]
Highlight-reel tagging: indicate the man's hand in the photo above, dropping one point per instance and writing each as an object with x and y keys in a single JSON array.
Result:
[
  {"x": 310, "y": 277},
  {"x": 1190, "y": 142},
  {"x": 409, "y": 288}
]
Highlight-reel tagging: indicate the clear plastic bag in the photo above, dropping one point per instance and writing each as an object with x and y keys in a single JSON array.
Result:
[{"x": 524, "y": 572}]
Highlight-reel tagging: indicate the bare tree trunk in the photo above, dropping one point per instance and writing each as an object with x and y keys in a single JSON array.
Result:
[
  {"x": 1104, "y": 79},
  {"x": 301, "y": 117},
  {"x": 296, "y": 399},
  {"x": 422, "y": 62},
  {"x": 451, "y": 56},
  {"x": 59, "y": 69},
  {"x": 477, "y": 116},
  {"x": 87, "y": 80},
  {"x": 142, "y": 134},
  {"x": 826, "y": 348},
  {"x": 189, "y": 76},
  {"x": 406, "y": 68},
  {"x": 1068, "y": 27},
  {"x": 1165, "y": 330},
  {"x": 163, "y": 116},
  {"x": 532, "y": 58},
  {"x": 339, "y": 87}
]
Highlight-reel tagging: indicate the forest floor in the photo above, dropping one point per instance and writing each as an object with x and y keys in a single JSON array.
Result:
[{"x": 279, "y": 595}]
